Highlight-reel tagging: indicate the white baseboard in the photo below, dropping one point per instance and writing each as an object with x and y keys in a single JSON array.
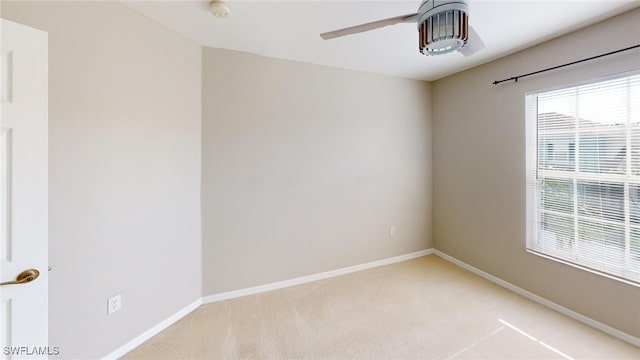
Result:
[
  {"x": 137, "y": 341},
  {"x": 310, "y": 278},
  {"x": 329, "y": 274},
  {"x": 540, "y": 300},
  {"x": 123, "y": 350}
]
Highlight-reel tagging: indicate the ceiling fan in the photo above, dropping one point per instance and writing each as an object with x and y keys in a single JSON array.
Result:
[{"x": 443, "y": 27}]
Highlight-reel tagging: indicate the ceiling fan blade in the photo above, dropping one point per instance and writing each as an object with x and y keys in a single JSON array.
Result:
[
  {"x": 369, "y": 26},
  {"x": 473, "y": 45}
]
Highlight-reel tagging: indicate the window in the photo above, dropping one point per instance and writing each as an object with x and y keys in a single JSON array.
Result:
[{"x": 583, "y": 176}]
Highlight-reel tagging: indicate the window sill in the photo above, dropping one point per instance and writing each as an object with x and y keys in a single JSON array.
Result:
[{"x": 587, "y": 269}]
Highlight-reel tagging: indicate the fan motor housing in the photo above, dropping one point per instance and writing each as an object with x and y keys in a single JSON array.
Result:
[{"x": 442, "y": 26}]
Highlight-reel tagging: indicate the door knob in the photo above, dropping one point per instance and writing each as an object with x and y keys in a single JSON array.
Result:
[{"x": 24, "y": 277}]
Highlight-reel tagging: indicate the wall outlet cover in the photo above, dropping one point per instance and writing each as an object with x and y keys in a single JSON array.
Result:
[{"x": 114, "y": 304}]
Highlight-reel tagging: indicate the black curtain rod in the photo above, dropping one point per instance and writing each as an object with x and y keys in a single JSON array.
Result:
[{"x": 515, "y": 78}]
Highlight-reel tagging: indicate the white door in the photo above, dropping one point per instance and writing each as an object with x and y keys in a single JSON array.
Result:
[{"x": 23, "y": 191}]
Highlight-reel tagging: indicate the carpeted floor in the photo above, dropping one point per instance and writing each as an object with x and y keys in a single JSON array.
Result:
[{"x": 425, "y": 308}]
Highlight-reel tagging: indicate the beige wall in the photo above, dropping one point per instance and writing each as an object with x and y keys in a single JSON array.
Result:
[
  {"x": 124, "y": 179},
  {"x": 306, "y": 167},
  {"x": 479, "y": 169}
]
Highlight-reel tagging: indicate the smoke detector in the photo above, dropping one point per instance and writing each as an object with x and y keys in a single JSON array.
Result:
[{"x": 219, "y": 9}]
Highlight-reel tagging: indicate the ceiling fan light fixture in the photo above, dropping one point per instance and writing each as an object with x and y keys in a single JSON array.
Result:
[
  {"x": 443, "y": 26},
  {"x": 219, "y": 9}
]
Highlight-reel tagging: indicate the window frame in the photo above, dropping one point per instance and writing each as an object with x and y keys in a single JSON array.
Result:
[{"x": 531, "y": 173}]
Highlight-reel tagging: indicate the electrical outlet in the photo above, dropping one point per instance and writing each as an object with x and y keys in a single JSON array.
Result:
[
  {"x": 392, "y": 231},
  {"x": 114, "y": 304}
]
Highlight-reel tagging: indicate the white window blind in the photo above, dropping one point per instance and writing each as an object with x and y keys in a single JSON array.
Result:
[{"x": 583, "y": 176}]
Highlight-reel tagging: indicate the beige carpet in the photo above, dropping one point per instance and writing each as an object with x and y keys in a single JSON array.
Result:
[{"x": 425, "y": 308}]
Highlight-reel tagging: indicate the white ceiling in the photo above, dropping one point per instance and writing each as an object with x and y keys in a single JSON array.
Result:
[{"x": 290, "y": 30}]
